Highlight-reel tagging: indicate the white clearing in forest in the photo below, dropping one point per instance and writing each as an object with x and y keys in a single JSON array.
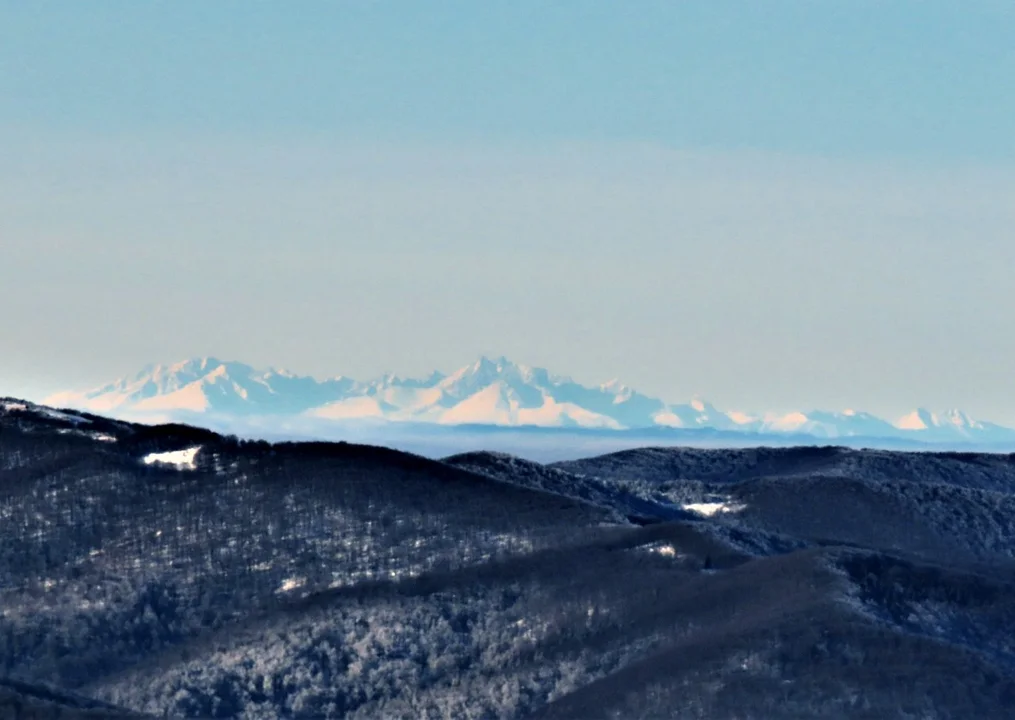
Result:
[
  {"x": 711, "y": 508},
  {"x": 663, "y": 549},
  {"x": 100, "y": 437},
  {"x": 290, "y": 584},
  {"x": 57, "y": 415},
  {"x": 182, "y": 459}
]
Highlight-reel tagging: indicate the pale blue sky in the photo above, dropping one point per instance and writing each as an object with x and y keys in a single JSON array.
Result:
[
  {"x": 777, "y": 205},
  {"x": 926, "y": 79}
]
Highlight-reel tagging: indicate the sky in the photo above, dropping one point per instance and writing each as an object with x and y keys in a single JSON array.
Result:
[{"x": 780, "y": 205}]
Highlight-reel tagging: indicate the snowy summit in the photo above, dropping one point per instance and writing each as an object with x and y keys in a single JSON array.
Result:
[{"x": 488, "y": 391}]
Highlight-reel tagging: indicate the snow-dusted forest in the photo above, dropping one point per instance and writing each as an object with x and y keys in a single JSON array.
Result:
[{"x": 172, "y": 572}]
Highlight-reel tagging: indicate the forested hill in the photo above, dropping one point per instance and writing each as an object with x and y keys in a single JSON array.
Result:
[{"x": 170, "y": 571}]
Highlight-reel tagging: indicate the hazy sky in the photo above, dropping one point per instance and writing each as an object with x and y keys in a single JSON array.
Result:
[{"x": 775, "y": 205}]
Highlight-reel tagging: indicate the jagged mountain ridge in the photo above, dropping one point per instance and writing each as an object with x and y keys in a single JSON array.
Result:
[{"x": 488, "y": 392}]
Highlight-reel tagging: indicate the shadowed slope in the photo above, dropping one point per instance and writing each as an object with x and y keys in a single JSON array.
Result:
[{"x": 332, "y": 580}]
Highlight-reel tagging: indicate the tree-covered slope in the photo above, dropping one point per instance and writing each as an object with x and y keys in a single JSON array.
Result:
[{"x": 250, "y": 580}]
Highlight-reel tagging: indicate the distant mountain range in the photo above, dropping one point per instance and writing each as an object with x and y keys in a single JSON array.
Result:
[{"x": 487, "y": 392}]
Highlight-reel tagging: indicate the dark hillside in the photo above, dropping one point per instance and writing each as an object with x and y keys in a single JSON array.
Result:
[
  {"x": 24, "y": 701},
  {"x": 958, "y": 507},
  {"x": 320, "y": 580},
  {"x": 974, "y": 470}
]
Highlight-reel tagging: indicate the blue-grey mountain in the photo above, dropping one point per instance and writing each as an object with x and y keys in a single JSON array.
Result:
[{"x": 495, "y": 392}]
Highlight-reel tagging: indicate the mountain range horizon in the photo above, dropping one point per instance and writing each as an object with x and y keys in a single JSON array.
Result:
[{"x": 489, "y": 391}]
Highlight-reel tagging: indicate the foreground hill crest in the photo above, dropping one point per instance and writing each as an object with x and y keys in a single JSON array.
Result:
[
  {"x": 169, "y": 571},
  {"x": 489, "y": 391}
]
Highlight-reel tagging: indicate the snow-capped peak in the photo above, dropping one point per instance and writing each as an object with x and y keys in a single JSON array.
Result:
[
  {"x": 949, "y": 422},
  {"x": 482, "y": 372},
  {"x": 959, "y": 419},
  {"x": 919, "y": 419},
  {"x": 490, "y": 390},
  {"x": 492, "y": 365},
  {"x": 620, "y": 392}
]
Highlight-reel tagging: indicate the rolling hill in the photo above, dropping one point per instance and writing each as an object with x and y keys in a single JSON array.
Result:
[{"x": 172, "y": 571}]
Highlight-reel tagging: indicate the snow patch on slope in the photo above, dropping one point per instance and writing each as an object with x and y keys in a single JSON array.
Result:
[
  {"x": 190, "y": 398},
  {"x": 708, "y": 509},
  {"x": 181, "y": 459},
  {"x": 916, "y": 420}
]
